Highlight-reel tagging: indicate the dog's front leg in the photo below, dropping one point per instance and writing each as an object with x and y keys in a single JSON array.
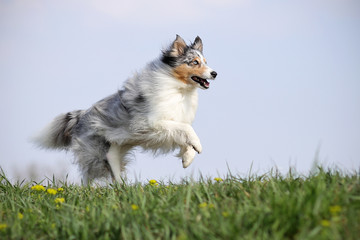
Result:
[
  {"x": 187, "y": 155},
  {"x": 181, "y": 133}
]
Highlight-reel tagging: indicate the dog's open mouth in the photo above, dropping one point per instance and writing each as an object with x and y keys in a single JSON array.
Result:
[{"x": 203, "y": 82}]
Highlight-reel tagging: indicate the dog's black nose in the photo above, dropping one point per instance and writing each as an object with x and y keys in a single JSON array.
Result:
[{"x": 213, "y": 74}]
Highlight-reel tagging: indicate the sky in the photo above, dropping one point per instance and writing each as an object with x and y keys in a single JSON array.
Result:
[{"x": 287, "y": 92}]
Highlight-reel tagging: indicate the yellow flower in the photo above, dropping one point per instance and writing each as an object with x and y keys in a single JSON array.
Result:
[
  {"x": 87, "y": 209},
  {"x": 217, "y": 179},
  {"x": 60, "y": 189},
  {"x": 335, "y": 209},
  {"x": 134, "y": 207},
  {"x": 203, "y": 205},
  {"x": 20, "y": 216},
  {"x": 3, "y": 226},
  {"x": 38, "y": 188},
  {"x": 153, "y": 182},
  {"x": 225, "y": 214},
  {"x": 325, "y": 223},
  {"x": 51, "y": 191},
  {"x": 59, "y": 200}
]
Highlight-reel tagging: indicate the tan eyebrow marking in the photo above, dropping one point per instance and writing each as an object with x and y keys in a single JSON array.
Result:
[{"x": 197, "y": 59}]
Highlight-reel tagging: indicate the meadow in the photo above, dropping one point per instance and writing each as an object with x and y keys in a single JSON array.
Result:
[{"x": 322, "y": 205}]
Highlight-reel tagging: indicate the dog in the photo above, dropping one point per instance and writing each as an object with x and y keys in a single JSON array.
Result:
[{"x": 154, "y": 110}]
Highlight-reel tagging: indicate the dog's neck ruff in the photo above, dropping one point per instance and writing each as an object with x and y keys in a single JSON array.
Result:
[{"x": 167, "y": 98}]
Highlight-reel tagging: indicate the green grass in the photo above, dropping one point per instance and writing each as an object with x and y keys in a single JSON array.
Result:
[{"x": 323, "y": 205}]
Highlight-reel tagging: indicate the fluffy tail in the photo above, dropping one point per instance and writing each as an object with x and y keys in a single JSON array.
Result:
[{"x": 58, "y": 134}]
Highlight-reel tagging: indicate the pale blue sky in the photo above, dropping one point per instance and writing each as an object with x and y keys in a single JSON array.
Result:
[{"x": 288, "y": 78}]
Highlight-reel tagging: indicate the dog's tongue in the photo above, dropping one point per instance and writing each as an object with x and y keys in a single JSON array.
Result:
[{"x": 206, "y": 84}]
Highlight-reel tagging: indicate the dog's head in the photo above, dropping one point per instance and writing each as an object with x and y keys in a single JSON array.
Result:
[{"x": 188, "y": 63}]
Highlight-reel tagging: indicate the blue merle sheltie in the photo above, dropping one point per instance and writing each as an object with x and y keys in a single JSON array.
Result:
[{"x": 153, "y": 110}]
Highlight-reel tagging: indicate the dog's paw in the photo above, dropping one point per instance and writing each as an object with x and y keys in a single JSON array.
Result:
[
  {"x": 188, "y": 157},
  {"x": 196, "y": 145},
  {"x": 193, "y": 140}
]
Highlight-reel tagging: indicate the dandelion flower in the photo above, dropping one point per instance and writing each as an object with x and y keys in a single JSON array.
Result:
[
  {"x": 38, "y": 188},
  {"x": 3, "y": 226},
  {"x": 217, "y": 179},
  {"x": 325, "y": 223},
  {"x": 20, "y": 216},
  {"x": 153, "y": 182},
  {"x": 60, "y": 189},
  {"x": 51, "y": 191},
  {"x": 134, "y": 207},
  {"x": 203, "y": 205},
  {"x": 225, "y": 214},
  {"x": 335, "y": 209},
  {"x": 59, "y": 200}
]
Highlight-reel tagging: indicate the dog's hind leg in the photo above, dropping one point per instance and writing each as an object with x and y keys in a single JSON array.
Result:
[
  {"x": 116, "y": 159},
  {"x": 85, "y": 181}
]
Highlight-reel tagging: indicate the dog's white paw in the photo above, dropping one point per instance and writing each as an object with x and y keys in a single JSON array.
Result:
[
  {"x": 188, "y": 157},
  {"x": 193, "y": 140},
  {"x": 196, "y": 145}
]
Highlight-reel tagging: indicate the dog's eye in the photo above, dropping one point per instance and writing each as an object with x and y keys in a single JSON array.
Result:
[{"x": 195, "y": 62}]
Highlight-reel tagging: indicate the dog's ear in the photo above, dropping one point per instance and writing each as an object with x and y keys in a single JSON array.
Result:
[
  {"x": 197, "y": 45},
  {"x": 178, "y": 47}
]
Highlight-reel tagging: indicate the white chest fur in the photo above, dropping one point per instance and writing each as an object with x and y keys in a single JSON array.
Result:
[
  {"x": 176, "y": 105},
  {"x": 185, "y": 107}
]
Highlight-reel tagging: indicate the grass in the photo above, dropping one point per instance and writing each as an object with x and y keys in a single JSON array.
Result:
[{"x": 323, "y": 205}]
